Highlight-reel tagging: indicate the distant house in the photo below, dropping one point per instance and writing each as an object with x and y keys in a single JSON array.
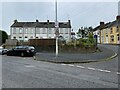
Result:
[
  {"x": 108, "y": 33},
  {"x": 23, "y": 31},
  {"x": 97, "y": 31}
]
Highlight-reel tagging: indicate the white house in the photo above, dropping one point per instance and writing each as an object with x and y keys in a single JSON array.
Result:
[
  {"x": 97, "y": 31},
  {"x": 23, "y": 31}
]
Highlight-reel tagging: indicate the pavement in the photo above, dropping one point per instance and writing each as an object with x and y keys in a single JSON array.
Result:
[{"x": 105, "y": 54}]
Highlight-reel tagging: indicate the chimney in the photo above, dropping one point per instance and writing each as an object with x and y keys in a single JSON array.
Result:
[
  {"x": 69, "y": 21},
  {"x": 37, "y": 20},
  {"x": 48, "y": 21},
  {"x": 117, "y": 17},
  {"x": 15, "y": 21},
  {"x": 102, "y": 25}
]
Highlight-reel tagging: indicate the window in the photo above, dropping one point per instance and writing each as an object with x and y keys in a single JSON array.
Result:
[
  {"x": 102, "y": 39},
  {"x": 118, "y": 37},
  {"x": 61, "y": 31},
  {"x": 31, "y": 30},
  {"x": 26, "y": 30},
  {"x": 112, "y": 38},
  {"x": 20, "y": 31},
  {"x": 14, "y": 30},
  {"x": 44, "y": 31},
  {"x": 111, "y": 31},
  {"x": 65, "y": 30},
  {"x": 37, "y": 31},
  {"x": 117, "y": 29}
]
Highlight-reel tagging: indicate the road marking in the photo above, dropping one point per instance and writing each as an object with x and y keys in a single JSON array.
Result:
[
  {"x": 63, "y": 64},
  {"x": 103, "y": 70},
  {"x": 91, "y": 68},
  {"x": 29, "y": 66},
  {"x": 71, "y": 65},
  {"x": 80, "y": 66},
  {"x": 118, "y": 72}
]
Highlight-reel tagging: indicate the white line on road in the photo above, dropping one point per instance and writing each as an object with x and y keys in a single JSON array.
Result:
[
  {"x": 29, "y": 66},
  {"x": 70, "y": 65},
  {"x": 64, "y": 64},
  {"x": 118, "y": 72},
  {"x": 80, "y": 66},
  {"x": 91, "y": 68},
  {"x": 103, "y": 70}
]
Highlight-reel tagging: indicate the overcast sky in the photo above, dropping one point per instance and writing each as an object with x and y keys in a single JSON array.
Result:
[{"x": 80, "y": 13}]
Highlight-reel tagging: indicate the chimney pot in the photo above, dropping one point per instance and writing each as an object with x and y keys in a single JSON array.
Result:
[
  {"x": 37, "y": 20},
  {"x": 118, "y": 17},
  {"x": 47, "y": 20},
  {"x": 15, "y": 21}
]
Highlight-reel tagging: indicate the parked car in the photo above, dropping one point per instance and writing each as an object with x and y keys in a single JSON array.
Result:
[
  {"x": 22, "y": 51},
  {"x": 3, "y": 51}
]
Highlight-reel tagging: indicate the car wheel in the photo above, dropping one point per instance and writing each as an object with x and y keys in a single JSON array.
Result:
[{"x": 22, "y": 54}]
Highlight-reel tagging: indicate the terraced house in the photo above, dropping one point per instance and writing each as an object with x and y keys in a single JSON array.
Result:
[
  {"x": 23, "y": 31},
  {"x": 110, "y": 32}
]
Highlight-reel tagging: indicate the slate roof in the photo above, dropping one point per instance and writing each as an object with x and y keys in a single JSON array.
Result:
[
  {"x": 109, "y": 24},
  {"x": 41, "y": 24}
]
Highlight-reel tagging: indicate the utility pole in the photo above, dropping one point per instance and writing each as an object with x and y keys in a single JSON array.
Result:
[{"x": 56, "y": 28}]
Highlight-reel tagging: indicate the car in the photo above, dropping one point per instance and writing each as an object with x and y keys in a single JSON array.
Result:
[
  {"x": 22, "y": 51},
  {"x": 3, "y": 51}
]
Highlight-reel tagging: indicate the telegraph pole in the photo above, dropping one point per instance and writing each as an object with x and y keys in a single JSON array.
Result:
[{"x": 56, "y": 28}]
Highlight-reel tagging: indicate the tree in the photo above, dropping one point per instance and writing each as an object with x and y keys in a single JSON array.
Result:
[
  {"x": 84, "y": 32},
  {"x": 3, "y": 36}
]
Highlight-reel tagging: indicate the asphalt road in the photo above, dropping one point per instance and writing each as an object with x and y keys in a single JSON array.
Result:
[
  {"x": 112, "y": 65},
  {"x": 18, "y": 72}
]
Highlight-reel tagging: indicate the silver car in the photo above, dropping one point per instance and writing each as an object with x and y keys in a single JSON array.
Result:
[{"x": 3, "y": 51}]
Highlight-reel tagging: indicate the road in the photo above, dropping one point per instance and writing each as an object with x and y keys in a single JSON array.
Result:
[{"x": 19, "y": 72}]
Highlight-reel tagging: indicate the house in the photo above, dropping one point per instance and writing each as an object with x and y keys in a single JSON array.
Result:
[
  {"x": 108, "y": 33},
  {"x": 111, "y": 33},
  {"x": 23, "y": 31},
  {"x": 97, "y": 31}
]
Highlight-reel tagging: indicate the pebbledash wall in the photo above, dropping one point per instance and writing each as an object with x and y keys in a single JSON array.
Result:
[{"x": 23, "y": 31}]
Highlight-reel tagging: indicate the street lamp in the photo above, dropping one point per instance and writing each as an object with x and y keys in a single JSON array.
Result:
[{"x": 56, "y": 28}]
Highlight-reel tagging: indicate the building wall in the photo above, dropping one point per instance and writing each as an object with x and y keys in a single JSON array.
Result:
[
  {"x": 112, "y": 35},
  {"x": 26, "y": 33}
]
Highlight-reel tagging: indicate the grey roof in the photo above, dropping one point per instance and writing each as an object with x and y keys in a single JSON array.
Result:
[
  {"x": 109, "y": 24},
  {"x": 41, "y": 24}
]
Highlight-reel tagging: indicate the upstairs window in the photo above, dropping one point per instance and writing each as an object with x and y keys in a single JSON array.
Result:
[
  {"x": 117, "y": 29},
  {"x": 111, "y": 31},
  {"x": 118, "y": 37},
  {"x": 14, "y": 30},
  {"x": 20, "y": 31}
]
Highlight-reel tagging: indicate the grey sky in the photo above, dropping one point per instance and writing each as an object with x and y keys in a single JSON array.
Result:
[{"x": 80, "y": 13}]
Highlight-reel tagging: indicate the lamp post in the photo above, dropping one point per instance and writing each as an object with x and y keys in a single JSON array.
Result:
[{"x": 56, "y": 28}]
